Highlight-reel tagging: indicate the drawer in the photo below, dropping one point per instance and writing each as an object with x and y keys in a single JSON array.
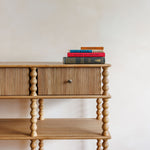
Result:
[
  {"x": 54, "y": 81},
  {"x": 14, "y": 81}
]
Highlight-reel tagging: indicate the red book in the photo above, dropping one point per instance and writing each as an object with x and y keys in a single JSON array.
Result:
[{"x": 86, "y": 54}]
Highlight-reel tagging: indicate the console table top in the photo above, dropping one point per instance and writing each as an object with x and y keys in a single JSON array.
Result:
[{"x": 48, "y": 64}]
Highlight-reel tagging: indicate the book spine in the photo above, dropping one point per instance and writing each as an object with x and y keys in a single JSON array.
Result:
[
  {"x": 86, "y": 51},
  {"x": 86, "y": 54},
  {"x": 93, "y": 48},
  {"x": 80, "y": 51},
  {"x": 84, "y": 60},
  {"x": 97, "y": 51}
]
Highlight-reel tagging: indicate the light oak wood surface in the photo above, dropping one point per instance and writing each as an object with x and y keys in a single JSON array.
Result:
[
  {"x": 33, "y": 144},
  {"x": 47, "y": 64},
  {"x": 72, "y": 81},
  {"x": 105, "y": 106},
  {"x": 41, "y": 109},
  {"x": 33, "y": 106},
  {"x": 57, "y": 97},
  {"x": 78, "y": 128},
  {"x": 49, "y": 80},
  {"x": 14, "y": 81},
  {"x": 41, "y": 144},
  {"x": 99, "y": 109},
  {"x": 99, "y": 117}
]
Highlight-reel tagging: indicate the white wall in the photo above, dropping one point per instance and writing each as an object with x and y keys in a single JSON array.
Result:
[{"x": 36, "y": 30}]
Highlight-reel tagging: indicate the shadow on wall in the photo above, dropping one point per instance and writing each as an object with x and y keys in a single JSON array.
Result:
[
  {"x": 14, "y": 108},
  {"x": 14, "y": 144}
]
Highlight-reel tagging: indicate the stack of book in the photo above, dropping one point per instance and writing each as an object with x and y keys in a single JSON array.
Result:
[{"x": 86, "y": 55}]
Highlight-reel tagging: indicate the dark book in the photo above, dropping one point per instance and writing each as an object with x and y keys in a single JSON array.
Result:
[{"x": 84, "y": 60}]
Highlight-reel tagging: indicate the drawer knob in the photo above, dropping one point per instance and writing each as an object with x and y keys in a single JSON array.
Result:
[{"x": 69, "y": 81}]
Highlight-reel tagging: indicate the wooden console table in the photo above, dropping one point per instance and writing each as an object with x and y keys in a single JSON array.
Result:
[{"x": 44, "y": 80}]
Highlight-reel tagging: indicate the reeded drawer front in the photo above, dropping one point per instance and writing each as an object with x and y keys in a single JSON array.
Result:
[
  {"x": 14, "y": 81},
  {"x": 69, "y": 81}
]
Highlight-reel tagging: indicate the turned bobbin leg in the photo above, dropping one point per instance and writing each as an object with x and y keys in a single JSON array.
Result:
[
  {"x": 99, "y": 144},
  {"x": 99, "y": 109},
  {"x": 105, "y": 123},
  {"x": 41, "y": 117},
  {"x": 33, "y": 89},
  {"x": 98, "y": 112},
  {"x": 105, "y": 106},
  {"x": 33, "y": 119},
  {"x": 33, "y": 82},
  {"x": 33, "y": 145},
  {"x": 41, "y": 144},
  {"x": 41, "y": 109}
]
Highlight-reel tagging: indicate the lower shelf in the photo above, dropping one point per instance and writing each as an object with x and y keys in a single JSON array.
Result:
[{"x": 19, "y": 129}]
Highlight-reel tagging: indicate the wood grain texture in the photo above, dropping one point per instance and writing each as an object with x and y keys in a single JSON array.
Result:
[
  {"x": 78, "y": 128},
  {"x": 48, "y": 64},
  {"x": 14, "y": 81},
  {"x": 55, "y": 81},
  {"x": 52, "y": 84},
  {"x": 57, "y": 97}
]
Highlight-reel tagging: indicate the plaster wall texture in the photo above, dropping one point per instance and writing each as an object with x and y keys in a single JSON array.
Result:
[{"x": 36, "y": 30}]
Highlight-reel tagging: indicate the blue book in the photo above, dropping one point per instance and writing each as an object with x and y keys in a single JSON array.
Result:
[{"x": 80, "y": 51}]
